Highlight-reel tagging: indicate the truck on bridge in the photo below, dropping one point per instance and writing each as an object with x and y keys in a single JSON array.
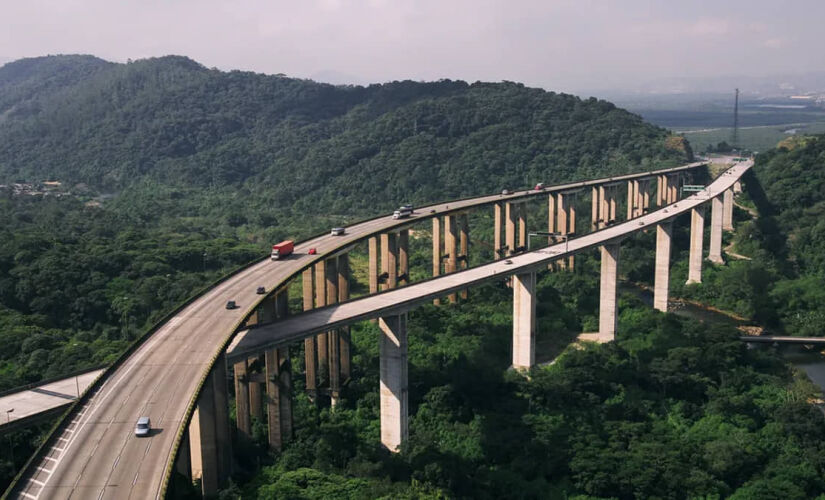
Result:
[{"x": 282, "y": 249}]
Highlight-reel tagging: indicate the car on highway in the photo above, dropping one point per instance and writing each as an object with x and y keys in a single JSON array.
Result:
[
  {"x": 505, "y": 192},
  {"x": 337, "y": 231},
  {"x": 231, "y": 304},
  {"x": 261, "y": 290},
  {"x": 143, "y": 427},
  {"x": 312, "y": 251},
  {"x": 539, "y": 186}
]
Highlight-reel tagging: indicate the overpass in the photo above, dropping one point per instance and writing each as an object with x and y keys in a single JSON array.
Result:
[
  {"x": 773, "y": 339},
  {"x": 177, "y": 374}
]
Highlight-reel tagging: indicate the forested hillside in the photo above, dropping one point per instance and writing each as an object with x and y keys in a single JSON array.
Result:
[{"x": 299, "y": 145}]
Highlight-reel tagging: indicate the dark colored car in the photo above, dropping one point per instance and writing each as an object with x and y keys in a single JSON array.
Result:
[
  {"x": 231, "y": 304},
  {"x": 261, "y": 290}
]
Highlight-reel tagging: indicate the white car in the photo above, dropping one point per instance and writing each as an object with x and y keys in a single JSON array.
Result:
[
  {"x": 337, "y": 231},
  {"x": 143, "y": 427}
]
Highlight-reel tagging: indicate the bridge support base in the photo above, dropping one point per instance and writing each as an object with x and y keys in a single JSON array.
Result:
[
  {"x": 697, "y": 230},
  {"x": 664, "y": 236},
  {"x": 727, "y": 213},
  {"x": 524, "y": 321},
  {"x": 393, "y": 373},
  {"x": 716, "y": 218},
  {"x": 278, "y": 397},
  {"x": 608, "y": 308},
  {"x": 209, "y": 436}
]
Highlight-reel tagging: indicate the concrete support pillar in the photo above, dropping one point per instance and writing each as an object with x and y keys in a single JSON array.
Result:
[
  {"x": 209, "y": 433},
  {"x": 393, "y": 374},
  {"x": 389, "y": 260},
  {"x": 278, "y": 397},
  {"x": 242, "y": 416},
  {"x": 716, "y": 217},
  {"x": 613, "y": 203},
  {"x": 604, "y": 206},
  {"x": 321, "y": 340},
  {"x": 522, "y": 226},
  {"x": 343, "y": 332},
  {"x": 498, "y": 221},
  {"x": 595, "y": 203},
  {"x": 646, "y": 197},
  {"x": 661, "y": 284},
  {"x": 310, "y": 348},
  {"x": 674, "y": 188},
  {"x": 571, "y": 228},
  {"x": 374, "y": 252},
  {"x": 727, "y": 213},
  {"x": 631, "y": 198},
  {"x": 333, "y": 354},
  {"x": 737, "y": 187},
  {"x": 510, "y": 227},
  {"x": 437, "y": 249},
  {"x": 404, "y": 256},
  {"x": 661, "y": 191},
  {"x": 267, "y": 311},
  {"x": 183, "y": 464},
  {"x": 562, "y": 207},
  {"x": 524, "y": 321},
  {"x": 255, "y": 398},
  {"x": 697, "y": 233},
  {"x": 451, "y": 248},
  {"x": 463, "y": 243},
  {"x": 608, "y": 306}
]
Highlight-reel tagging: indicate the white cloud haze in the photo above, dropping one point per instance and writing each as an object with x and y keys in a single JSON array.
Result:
[{"x": 555, "y": 44}]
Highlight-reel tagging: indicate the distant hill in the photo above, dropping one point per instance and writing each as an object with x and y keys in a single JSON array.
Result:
[{"x": 297, "y": 143}]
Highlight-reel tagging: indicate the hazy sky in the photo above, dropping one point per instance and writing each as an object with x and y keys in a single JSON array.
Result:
[{"x": 555, "y": 44}]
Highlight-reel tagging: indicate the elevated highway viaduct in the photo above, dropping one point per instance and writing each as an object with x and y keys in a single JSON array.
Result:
[{"x": 178, "y": 375}]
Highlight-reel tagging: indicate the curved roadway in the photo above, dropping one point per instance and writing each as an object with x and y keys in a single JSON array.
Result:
[{"x": 97, "y": 454}]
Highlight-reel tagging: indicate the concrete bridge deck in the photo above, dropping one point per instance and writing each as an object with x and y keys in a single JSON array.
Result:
[{"x": 19, "y": 408}]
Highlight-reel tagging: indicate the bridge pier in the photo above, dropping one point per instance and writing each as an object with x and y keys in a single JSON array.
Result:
[
  {"x": 437, "y": 245},
  {"x": 393, "y": 374},
  {"x": 697, "y": 230},
  {"x": 278, "y": 397},
  {"x": 661, "y": 284},
  {"x": 333, "y": 342},
  {"x": 608, "y": 307},
  {"x": 632, "y": 198},
  {"x": 510, "y": 222},
  {"x": 255, "y": 398},
  {"x": 373, "y": 261},
  {"x": 463, "y": 242},
  {"x": 242, "y": 417},
  {"x": 310, "y": 351},
  {"x": 210, "y": 443},
  {"x": 322, "y": 339},
  {"x": 566, "y": 221},
  {"x": 727, "y": 214},
  {"x": 403, "y": 257},
  {"x": 497, "y": 223},
  {"x": 343, "y": 295},
  {"x": 716, "y": 218},
  {"x": 522, "y": 227},
  {"x": 451, "y": 249},
  {"x": 524, "y": 321}
]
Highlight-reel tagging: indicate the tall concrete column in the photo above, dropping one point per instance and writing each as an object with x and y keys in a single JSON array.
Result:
[
  {"x": 608, "y": 306},
  {"x": 524, "y": 321},
  {"x": 278, "y": 397},
  {"x": 638, "y": 203},
  {"x": 716, "y": 217},
  {"x": 510, "y": 227},
  {"x": 389, "y": 260},
  {"x": 255, "y": 399},
  {"x": 661, "y": 284},
  {"x": 321, "y": 339},
  {"x": 310, "y": 349},
  {"x": 562, "y": 207},
  {"x": 267, "y": 311},
  {"x": 404, "y": 256},
  {"x": 463, "y": 243},
  {"x": 727, "y": 219},
  {"x": 497, "y": 215},
  {"x": 571, "y": 228},
  {"x": 522, "y": 225},
  {"x": 631, "y": 199},
  {"x": 661, "y": 191},
  {"x": 183, "y": 464},
  {"x": 393, "y": 374},
  {"x": 697, "y": 233},
  {"x": 614, "y": 190},
  {"x": 343, "y": 332},
  {"x": 646, "y": 197},
  {"x": 374, "y": 253},
  {"x": 437, "y": 249},
  {"x": 333, "y": 354},
  {"x": 594, "y": 208},
  {"x": 209, "y": 434},
  {"x": 242, "y": 415},
  {"x": 451, "y": 248}
]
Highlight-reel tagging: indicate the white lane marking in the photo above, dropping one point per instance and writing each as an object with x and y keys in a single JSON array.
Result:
[
  {"x": 27, "y": 495},
  {"x": 58, "y": 449},
  {"x": 135, "y": 479},
  {"x": 50, "y": 458},
  {"x": 45, "y": 469},
  {"x": 39, "y": 483},
  {"x": 61, "y": 438}
]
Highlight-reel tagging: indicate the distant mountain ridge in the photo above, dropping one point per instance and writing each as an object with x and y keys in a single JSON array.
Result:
[{"x": 174, "y": 121}]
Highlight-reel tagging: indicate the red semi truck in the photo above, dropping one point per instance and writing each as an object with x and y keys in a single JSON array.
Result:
[{"x": 282, "y": 249}]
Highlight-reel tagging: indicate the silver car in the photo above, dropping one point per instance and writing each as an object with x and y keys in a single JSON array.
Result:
[{"x": 143, "y": 427}]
